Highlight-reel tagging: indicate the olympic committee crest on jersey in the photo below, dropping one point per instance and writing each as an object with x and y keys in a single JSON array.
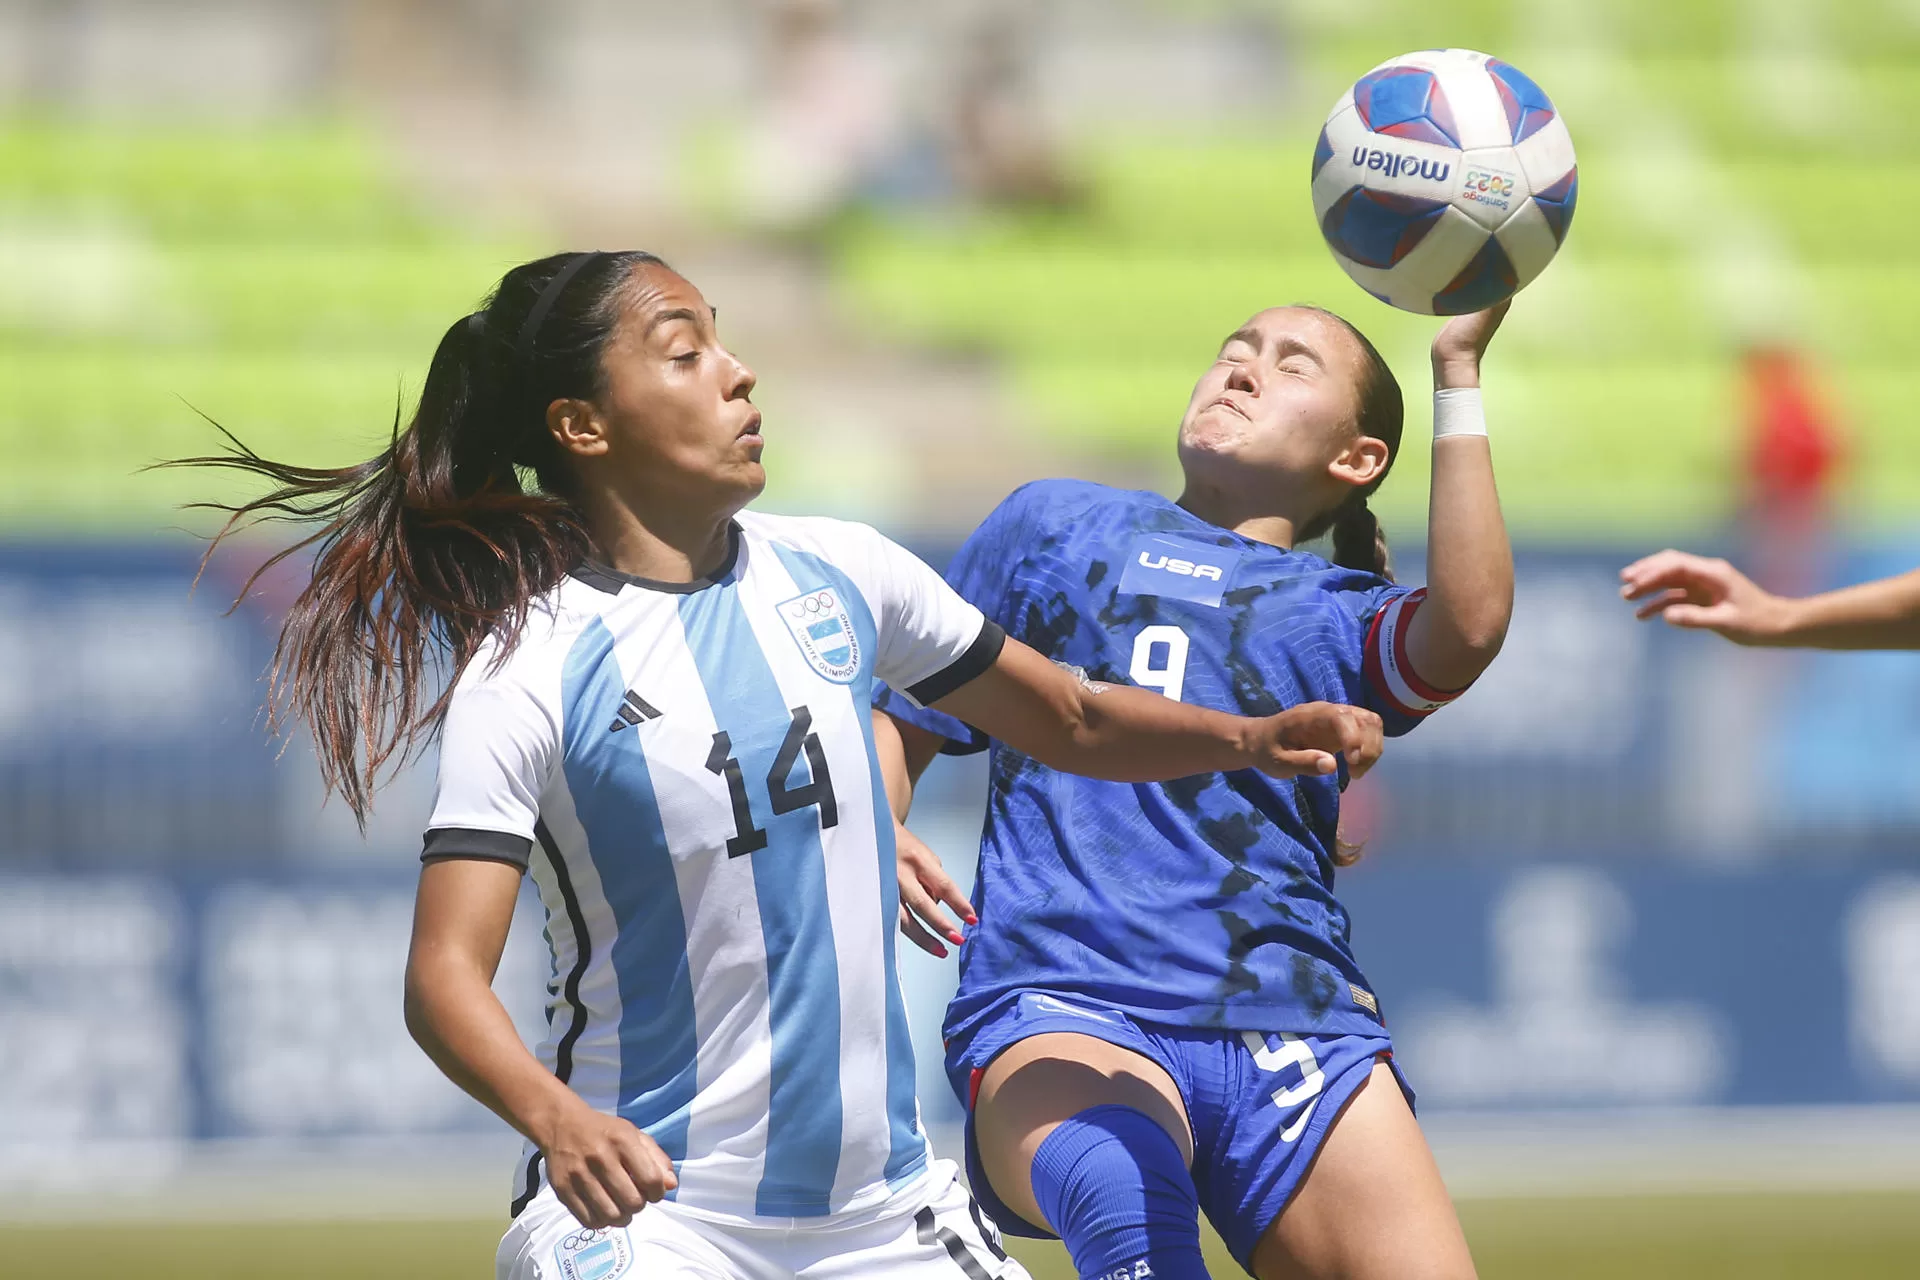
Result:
[{"x": 822, "y": 627}]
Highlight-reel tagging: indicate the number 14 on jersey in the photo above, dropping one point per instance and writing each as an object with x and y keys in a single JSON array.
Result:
[{"x": 785, "y": 798}]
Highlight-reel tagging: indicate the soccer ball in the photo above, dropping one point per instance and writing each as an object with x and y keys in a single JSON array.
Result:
[{"x": 1444, "y": 181}]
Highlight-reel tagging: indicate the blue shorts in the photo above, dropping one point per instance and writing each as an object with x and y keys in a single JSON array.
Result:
[{"x": 1260, "y": 1104}]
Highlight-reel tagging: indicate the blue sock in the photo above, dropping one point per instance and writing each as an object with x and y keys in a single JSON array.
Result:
[{"x": 1112, "y": 1183}]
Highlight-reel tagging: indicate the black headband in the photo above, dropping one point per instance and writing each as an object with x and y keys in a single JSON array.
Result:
[{"x": 530, "y": 331}]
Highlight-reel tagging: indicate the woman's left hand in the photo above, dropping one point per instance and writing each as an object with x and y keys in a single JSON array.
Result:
[
  {"x": 1460, "y": 344},
  {"x": 924, "y": 885}
]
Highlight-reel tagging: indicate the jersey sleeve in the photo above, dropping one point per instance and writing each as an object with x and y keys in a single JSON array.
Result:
[
  {"x": 497, "y": 747},
  {"x": 1393, "y": 687},
  {"x": 931, "y": 640}
]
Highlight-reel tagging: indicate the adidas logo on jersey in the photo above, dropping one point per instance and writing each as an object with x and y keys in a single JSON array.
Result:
[
  {"x": 1185, "y": 568},
  {"x": 633, "y": 709}
]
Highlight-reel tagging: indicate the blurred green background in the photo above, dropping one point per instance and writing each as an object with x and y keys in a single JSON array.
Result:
[{"x": 1749, "y": 170}]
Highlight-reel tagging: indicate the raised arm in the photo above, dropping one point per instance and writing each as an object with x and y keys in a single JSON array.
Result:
[
  {"x": 1700, "y": 593},
  {"x": 603, "y": 1168},
  {"x": 1123, "y": 734},
  {"x": 1459, "y": 628}
]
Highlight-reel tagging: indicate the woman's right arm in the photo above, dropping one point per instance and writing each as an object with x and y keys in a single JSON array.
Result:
[
  {"x": 1696, "y": 592},
  {"x": 603, "y": 1168}
]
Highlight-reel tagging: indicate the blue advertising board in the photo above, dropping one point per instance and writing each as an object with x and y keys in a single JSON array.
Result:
[
  {"x": 1625, "y": 984},
  {"x": 268, "y": 1008}
]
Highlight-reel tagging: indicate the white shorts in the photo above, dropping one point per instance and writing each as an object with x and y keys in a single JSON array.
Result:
[{"x": 941, "y": 1235}]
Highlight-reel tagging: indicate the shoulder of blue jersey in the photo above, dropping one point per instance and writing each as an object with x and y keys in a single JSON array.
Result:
[{"x": 1061, "y": 498}]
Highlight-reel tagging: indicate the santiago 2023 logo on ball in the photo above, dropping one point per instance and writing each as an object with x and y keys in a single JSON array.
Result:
[{"x": 1444, "y": 181}]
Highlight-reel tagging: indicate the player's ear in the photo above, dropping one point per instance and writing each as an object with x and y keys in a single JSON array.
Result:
[
  {"x": 1362, "y": 462},
  {"x": 576, "y": 428}
]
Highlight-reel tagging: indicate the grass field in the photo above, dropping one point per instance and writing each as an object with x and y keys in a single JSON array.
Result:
[{"x": 1699, "y": 1237}]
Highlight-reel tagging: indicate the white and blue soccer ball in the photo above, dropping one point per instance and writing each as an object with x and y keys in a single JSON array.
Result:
[{"x": 1444, "y": 181}]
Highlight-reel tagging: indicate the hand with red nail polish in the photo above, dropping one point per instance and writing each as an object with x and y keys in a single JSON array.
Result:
[{"x": 924, "y": 886}]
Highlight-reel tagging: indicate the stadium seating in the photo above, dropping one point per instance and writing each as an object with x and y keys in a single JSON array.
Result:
[
  {"x": 1743, "y": 181},
  {"x": 274, "y": 278}
]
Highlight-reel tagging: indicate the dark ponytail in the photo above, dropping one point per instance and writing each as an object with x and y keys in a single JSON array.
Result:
[
  {"x": 444, "y": 538},
  {"x": 1358, "y": 541}
]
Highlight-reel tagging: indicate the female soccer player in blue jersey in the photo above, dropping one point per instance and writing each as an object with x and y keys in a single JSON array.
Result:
[
  {"x": 1159, "y": 1011},
  {"x": 659, "y": 703}
]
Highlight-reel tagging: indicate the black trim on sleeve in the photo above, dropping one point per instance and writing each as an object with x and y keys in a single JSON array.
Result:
[
  {"x": 442, "y": 843},
  {"x": 981, "y": 654}
]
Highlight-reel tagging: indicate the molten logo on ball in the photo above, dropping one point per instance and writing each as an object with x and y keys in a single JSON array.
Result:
[{"x": 1393, "y": 166}]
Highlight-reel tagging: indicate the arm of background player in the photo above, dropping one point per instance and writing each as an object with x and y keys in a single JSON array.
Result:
[
  {"x": 1460, "y": 626},
  {"x": 905, "y": 751},
  {"x": 603, "y": 1168},
  {"x": 1122, "y": 734},
  {"x": 1705, "y": 594}
]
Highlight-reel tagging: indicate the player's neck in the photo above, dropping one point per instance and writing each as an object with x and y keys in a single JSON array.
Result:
[
  {"x": 1256, "y": 521},
  {"x": 665, "y": 547}
]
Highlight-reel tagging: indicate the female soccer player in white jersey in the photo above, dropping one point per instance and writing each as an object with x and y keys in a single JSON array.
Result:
[
  {"x": 1159, "y": 1012},
  {"x": 659, "y": 705}
]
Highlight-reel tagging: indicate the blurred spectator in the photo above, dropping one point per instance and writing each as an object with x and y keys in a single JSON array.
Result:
[
  {"x": 828, "y": 117},
  {"x": 1002, "y": 149},
  {"x": 1793, "y": 451}
]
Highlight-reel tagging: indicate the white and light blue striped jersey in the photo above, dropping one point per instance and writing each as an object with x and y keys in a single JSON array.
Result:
[{"x": 694, "y": 763}]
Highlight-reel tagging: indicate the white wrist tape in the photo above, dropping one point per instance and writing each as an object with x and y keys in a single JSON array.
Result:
[{"x": 1457, "y": 411}]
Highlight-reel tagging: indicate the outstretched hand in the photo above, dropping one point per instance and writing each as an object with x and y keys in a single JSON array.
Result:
[
  {"x": 1460, "y": 344},
  {"x": 924, "y": 885},
  {"x": 1703, "y": 594},
  {"x": 1311, "y": 738}
]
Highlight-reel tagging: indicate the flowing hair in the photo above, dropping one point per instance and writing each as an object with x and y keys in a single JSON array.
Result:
[{"x": 444, "y": 538}]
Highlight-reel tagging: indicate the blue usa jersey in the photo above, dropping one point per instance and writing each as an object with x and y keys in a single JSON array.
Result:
[{"x": 1204, "y": 902}]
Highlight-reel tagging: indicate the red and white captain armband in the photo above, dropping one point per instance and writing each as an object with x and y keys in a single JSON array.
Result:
[{"x": 1387, "y": 668}]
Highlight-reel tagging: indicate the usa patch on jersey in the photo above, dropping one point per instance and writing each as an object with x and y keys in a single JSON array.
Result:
[
  {"x": 822, "y": 627},
  {"x": 1179, "y": 569}
]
